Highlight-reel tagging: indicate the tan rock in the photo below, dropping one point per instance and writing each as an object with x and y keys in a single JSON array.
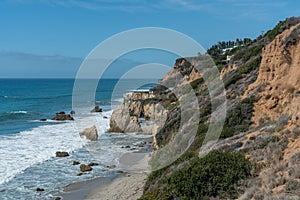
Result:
[
  {"x": 61, "y": 154},
  {"x": 85, "y": 168},
  {"x": 90, "y": 133},
  {"x": 279, "y": 74}
]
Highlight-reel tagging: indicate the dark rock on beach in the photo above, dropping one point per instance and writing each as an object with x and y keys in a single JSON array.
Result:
[
  {"x": 43, "y": 120},
  {"x": 61, "y": 154},
  {"x": 80, "y": 174},
  {"x": 97, "y": 109},
  {"x": 57, "y": 198},
  {"x": 72, "y": 112},
  {"x": 85, "y": 168}
]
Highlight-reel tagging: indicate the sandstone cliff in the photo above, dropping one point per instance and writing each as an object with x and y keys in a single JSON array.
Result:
[
  {"x": 262, "y": 124},
  {"x": 279, "y": 78},
  {"x": 140, "y": 112},
  {"x": 148, "y": 112}
]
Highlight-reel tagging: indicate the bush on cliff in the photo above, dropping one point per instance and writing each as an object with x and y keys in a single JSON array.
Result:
[
  {"x": 213, "y": 175},
  {"x": 238, "y": 119}
]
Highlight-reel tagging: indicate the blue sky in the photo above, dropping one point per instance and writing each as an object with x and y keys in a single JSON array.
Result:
[{"x": 72, "y": 28}]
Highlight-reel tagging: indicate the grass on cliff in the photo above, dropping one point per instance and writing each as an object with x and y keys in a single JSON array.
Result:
[{"x": 214, "y": 175}]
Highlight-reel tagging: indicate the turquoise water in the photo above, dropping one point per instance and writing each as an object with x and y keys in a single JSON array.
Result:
[{"x": 28, "y": 145}]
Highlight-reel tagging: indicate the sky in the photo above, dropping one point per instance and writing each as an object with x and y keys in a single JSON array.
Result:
[{"x": 61, "y": 33}]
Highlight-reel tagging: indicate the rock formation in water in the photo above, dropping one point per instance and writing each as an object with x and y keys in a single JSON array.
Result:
[
  {"x": 90, "y": 133},
  {"x": 140, "y": 112},
  {"x": 62, "y": 116}
]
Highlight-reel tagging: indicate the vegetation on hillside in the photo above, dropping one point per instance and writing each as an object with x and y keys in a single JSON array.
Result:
[
  {"x": 213, "y": 175},
  {"x": 219, "y": 173}
]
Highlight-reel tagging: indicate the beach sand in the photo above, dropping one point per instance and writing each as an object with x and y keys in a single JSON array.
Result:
[{"x": 128, "y": 186}]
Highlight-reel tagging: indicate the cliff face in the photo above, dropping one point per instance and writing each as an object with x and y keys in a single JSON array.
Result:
[
  {"x": 140, "y": 112},
  {"x": 279, "y": 78},
  {"x": 148, "y": 112},
  {"x": 262, "y": 82},
  {"x": 183, "y": 72}
]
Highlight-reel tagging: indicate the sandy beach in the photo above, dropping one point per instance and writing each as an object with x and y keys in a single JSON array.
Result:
[{"x": 126, "y": 186}]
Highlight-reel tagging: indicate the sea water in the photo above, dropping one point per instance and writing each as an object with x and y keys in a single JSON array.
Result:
[{"x": 28, "y": 145}]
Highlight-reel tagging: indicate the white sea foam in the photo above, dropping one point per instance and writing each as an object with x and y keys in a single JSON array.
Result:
[
  {"x": 28, "y": 148},
  {"x": 18, "y": 112}
]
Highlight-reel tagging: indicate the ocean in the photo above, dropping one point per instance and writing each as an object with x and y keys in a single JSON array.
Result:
[{"x": 28, "y": 145}]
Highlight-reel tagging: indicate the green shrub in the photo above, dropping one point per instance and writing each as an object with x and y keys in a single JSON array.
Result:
[
  {"x": 271, "y": 34},
  {"x": 264, "y": 144},
  {"x": 214, "y": 175},
  {"x": 238, "y": 119},
  {"x": 293, "y": 186},
  {"x": 244, "y": 69},
  {"x": 197, "y": 82}
]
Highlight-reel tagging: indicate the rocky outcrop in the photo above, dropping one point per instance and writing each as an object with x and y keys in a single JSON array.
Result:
[
  {"x": 75, "y": 162},
  {"x": 96, "y": 109},
  {"x": 111, "y": 166},
  {"x": 136, "y": 112},
  {"x": 62, "y": 116},
  {"x": 40, "y": 189},
  {"x": 91, "y": 164},
  {"x": 90, "y": 133},
  {"x": 61, "y": 154},
  {"x": 278, "y": 80},
  {"x": 85, "y": 168},
  {"x": 182, "y": 72}
]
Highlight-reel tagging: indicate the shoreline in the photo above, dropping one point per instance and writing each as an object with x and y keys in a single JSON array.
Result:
[{"x": 125, "y": 186}]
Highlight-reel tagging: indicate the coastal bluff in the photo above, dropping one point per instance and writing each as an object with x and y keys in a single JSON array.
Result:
[{"x": 141, "y": 112}]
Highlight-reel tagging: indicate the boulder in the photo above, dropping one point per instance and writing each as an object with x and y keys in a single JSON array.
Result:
[
  {"x": 43, "y": 120},
  {"x": 76, "y": 163},
  {"x": 97, "y": 109},
  {"x": 93, "y": 164},
  {"x": 80, "y": 174},
  {"x": 62, "y": 117},
  {"x": 40, "y": 189},
  {"x": 121, "y": 121},
  {"x": 61, "y": 154},
  {"x": 111, "y": 166},
  {"x": 90, "y": 133},
  {"x": 85, "y": 168},
  {"x": 72, "y": 112},
  {"x": 140, "y": 145}
]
